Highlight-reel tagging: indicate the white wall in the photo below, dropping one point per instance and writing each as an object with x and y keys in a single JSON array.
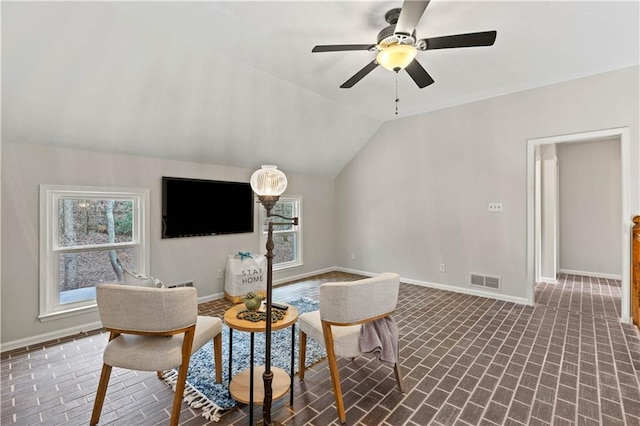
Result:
[
  {"x": 416, "y": 195},
  {"x": 25, "y": 166},
  {"x": 590, "y": 207}
]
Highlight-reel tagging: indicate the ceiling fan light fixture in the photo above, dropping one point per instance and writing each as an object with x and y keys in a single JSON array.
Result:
[{"x": 396, "y": 57}]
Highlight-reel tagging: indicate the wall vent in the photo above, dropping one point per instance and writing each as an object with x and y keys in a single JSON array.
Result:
[
  {"x": 181, "y": 284},
  {"x": 486, "y": 281}
]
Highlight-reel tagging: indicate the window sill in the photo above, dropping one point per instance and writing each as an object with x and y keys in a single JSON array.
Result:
[{"x": 68, "y": 313}]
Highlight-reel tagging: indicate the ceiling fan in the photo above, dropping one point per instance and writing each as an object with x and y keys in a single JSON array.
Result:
[{"x": 398, "y": 46}]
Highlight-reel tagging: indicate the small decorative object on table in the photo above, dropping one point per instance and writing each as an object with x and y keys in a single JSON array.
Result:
[
  {"x": 257, "y": 316},
  {"x": 252, "y": 301}
]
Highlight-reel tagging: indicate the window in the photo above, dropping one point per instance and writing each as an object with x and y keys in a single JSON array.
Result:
[
  {"x": 287, "y": 239},
  {"x": 87, "y": 236}
]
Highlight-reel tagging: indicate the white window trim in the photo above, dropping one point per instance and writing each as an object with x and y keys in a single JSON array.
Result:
[
  {"x": 263, "y": 235},
  {"x": 50, "y": 307}
]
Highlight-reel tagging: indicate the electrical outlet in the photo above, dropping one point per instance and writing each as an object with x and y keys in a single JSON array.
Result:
[
  {"x": 353, "y": 255},
  {"x": 443, "y": 267},
  {"x": 495, "y": 207},
  {"x": 219, "y": 273}
]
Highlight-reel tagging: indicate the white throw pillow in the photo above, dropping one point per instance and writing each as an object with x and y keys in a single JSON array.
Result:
[{"x": 140, "y": 280}]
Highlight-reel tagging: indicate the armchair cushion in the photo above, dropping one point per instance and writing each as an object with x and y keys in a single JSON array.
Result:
[
  {"x": 345, "y": 339},
  {"x": 157, "y": 353}
]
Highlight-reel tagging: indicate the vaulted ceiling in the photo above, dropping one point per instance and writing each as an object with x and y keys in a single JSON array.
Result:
[{"x": 235, "y": 83}]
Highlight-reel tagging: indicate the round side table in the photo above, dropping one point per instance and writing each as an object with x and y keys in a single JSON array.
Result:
[{"x": 242, "y": 386}]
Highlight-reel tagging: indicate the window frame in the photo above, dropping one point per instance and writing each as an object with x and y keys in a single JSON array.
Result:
[
  {"x": 50, "y": 249},
  {"x": 297, "y": 229}
]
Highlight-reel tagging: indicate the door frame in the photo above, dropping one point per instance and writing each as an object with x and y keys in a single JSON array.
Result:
[{"x": 622, "y": 133}]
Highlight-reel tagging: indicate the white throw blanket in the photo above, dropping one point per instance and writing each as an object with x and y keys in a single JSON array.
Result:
[{"x": 380, "y": 337}]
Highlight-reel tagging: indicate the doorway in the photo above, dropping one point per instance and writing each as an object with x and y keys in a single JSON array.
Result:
[{"x": 543, "y": 254}]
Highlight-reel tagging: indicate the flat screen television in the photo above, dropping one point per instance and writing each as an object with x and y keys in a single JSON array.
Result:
[{"x": 198, "y": 207}]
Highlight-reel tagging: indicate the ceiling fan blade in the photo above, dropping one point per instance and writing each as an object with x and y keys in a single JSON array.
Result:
[
  {"x": 342, "y": 47},
  {"x": 359, "y": 75},
  {"x": 410, "y": 15},
  {"x": 486, "y": 38},
  {"x": 419, "y": 74}
]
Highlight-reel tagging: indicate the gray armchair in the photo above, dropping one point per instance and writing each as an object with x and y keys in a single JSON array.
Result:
[
  {"x": 344, "y": 308},
  {"x": 153, "y": 330}
]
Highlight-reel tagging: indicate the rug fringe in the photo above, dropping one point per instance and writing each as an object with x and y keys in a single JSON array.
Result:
[{"x": 194, "y": 398}]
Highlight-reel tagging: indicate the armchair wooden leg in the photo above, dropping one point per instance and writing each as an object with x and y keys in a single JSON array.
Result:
[
  {"x": 217, "y": 356},
  {"x": 182, "y": 375},
  {"x": 396, "y": 370},
  {"x": 160, "y": 374},
  {"x": 102, "y": 390},
  {"x": 177, "y": 398},
  {"x": 303, "y": 355},
  {"x": 333, "y": 368}
]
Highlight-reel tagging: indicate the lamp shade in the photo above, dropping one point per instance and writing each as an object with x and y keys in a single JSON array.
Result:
[
  {"x": 397, "y": 56},
  {"x": 268, "y": 181}
]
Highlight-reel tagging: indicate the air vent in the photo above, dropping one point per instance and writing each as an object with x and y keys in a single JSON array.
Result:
[
  {"x": 486, "y": 281},
  {"x": 182, "y": 284}
]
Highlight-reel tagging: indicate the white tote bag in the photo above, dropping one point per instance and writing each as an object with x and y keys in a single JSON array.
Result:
[{"x": 245, "y": 273}]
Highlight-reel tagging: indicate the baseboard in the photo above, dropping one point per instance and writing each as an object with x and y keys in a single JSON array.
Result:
[
  {"x": 302, "y": 276},
  {"x": 548, "y": 280},
  {"x": 470, "y": 291},
  {"x": 354, "y": 271},
  {"x": 591, "y": 274},
  {"x": 47, "y": 337},
  {"x": 209, "y": 298}
]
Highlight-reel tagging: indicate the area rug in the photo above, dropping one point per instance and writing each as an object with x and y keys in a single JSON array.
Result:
[{"x": 202, "y": 391}]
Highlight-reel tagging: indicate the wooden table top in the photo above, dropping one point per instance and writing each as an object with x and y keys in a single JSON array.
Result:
[{"x": 231, "y": 319}]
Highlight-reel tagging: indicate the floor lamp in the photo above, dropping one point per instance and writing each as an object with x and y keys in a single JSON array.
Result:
[{"x": 269, "y": 183}]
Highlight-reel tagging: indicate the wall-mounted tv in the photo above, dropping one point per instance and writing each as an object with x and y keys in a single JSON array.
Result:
[{"x": 197, "y": 207}]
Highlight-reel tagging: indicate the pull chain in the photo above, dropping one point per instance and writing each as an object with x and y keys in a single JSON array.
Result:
[{"x": 397, "y": 100}]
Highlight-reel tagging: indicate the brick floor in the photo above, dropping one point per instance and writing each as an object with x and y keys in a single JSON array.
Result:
[
  {"x": 589, "y": 295},
  {"x": 466, "y": 360}
]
